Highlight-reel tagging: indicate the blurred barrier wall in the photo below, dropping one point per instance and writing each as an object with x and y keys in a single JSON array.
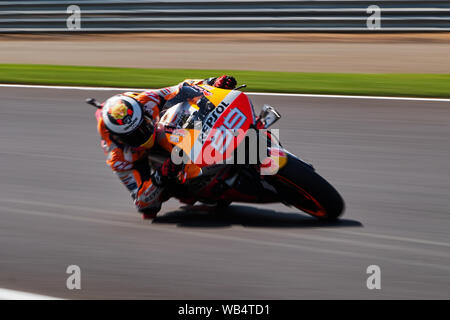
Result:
[{"x": 225, "y": 15}]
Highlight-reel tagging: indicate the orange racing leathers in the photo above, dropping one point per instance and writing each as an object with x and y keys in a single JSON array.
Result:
[{"x": 129, "y": 163}]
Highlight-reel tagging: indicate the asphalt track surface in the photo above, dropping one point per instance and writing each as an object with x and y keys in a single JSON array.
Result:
[{"x": 60, "y": 205}]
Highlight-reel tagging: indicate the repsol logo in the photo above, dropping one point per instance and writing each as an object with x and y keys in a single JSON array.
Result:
[
  {"x": 212, "y": 118},
  {"x": 214, "y": 115}
]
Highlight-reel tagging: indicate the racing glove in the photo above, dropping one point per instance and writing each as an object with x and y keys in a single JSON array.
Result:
[
  {"x": 166, "y": 174},
  {"x": 225, "y": 82},
  {"x": 169, "y": 169}
]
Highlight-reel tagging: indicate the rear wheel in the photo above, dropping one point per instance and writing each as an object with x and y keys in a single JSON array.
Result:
[
  {"x": 223, "y": 204},
  {"x": 300, "y": 186}
]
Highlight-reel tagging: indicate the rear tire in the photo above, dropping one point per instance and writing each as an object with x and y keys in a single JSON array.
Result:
[
  {"x": 223, "y": 204},
  {"x": 300, "y": 186}
]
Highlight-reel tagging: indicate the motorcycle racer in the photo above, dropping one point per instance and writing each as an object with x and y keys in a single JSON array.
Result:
[{"x": 127, "y": 126}]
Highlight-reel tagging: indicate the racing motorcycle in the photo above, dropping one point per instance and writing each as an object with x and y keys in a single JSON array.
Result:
[{"x": 228, "y": 154}]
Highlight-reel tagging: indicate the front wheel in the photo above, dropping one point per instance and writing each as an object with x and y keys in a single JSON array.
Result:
[{"x": 299, "y": 185}]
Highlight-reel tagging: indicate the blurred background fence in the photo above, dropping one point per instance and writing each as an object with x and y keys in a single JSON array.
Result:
[{"x": 225, "y": 15}]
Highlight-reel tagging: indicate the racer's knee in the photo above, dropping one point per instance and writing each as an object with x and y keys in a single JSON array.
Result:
[
  {"x": 148, "y": 198},
  {"x": 149, "y": 213}
]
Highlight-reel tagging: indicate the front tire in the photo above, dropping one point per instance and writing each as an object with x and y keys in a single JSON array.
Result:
[{"x": 300, "y": 186}]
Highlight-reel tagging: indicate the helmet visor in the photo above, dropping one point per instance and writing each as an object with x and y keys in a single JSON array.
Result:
[{"x": 140, "y": 135}]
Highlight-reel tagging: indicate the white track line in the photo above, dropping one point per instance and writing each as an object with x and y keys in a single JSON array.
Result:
[
  {"x": 6, "y": 294},
  {"x": 66, "y": 87},
  {"x": 250, "y": 93}
]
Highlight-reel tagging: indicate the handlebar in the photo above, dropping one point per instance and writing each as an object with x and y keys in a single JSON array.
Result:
[{"x": 94, "y": 103}]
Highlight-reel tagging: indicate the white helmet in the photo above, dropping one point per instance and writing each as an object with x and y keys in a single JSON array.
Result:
[{"x": 127, "y": 120}]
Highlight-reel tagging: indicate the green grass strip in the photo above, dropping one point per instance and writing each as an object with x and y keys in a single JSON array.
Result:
[{"x": 412, "y": 85}]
